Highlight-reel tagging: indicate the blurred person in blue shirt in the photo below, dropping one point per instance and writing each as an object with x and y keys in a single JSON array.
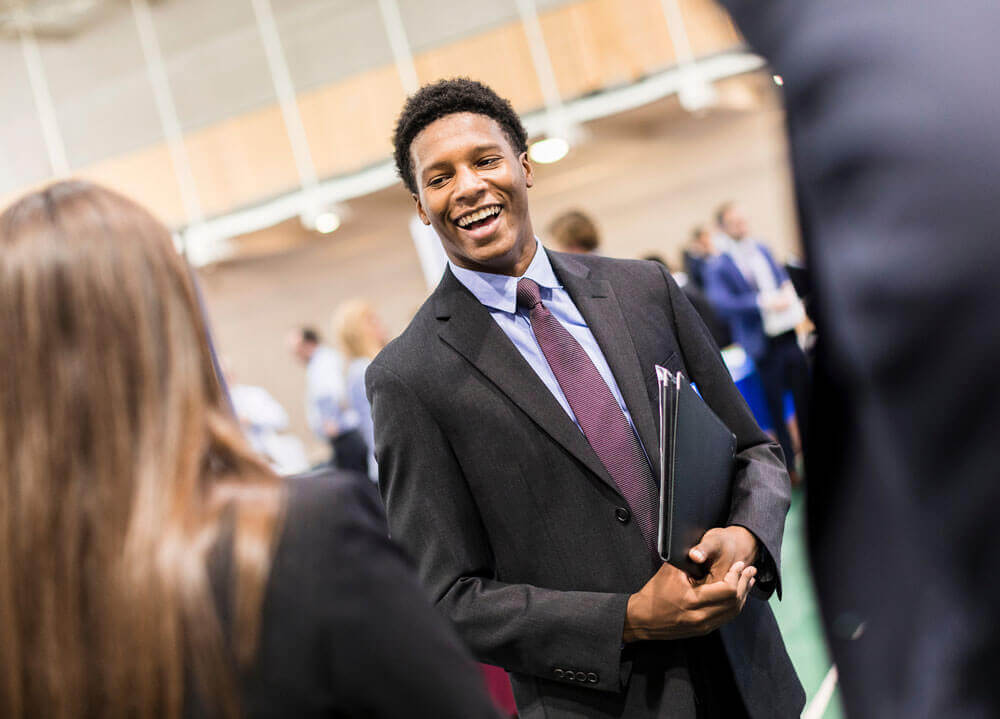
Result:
[{"x": 327, "y": 410}]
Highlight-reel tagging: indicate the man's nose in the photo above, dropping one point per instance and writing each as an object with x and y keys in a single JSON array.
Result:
[{"x": 468, "y": 184}]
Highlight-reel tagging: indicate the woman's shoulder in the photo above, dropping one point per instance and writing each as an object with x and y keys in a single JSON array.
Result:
[
  {"x": 329, "y": 484},
  {"x": 330, "y": 501},
  {"x": 333, "y": 536}
]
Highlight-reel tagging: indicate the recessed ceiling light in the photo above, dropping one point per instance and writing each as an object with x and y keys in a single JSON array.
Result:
[
  {"x": 327, "y": 222},
  {"x": 551, "y": 149}
]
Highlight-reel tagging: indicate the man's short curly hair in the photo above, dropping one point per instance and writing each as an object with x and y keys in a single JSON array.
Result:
[{"x": 446, "y": 97}]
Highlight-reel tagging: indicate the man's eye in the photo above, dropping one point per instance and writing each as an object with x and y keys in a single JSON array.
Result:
[
  {"x": 437, "y": 181},
  {"x": 487, "y": 161}
]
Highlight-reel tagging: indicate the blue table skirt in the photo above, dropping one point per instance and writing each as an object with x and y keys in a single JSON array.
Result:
[{"x": 747, "y": 380}]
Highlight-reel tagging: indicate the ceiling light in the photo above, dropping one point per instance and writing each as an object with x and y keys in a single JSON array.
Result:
[
  {"x": 778, "y": 80},
  {"x": 551, "y": 149},
  {"x": 327, "y": 222}
]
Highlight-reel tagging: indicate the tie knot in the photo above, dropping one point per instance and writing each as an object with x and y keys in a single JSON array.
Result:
[{"x": 528, "y": 294}]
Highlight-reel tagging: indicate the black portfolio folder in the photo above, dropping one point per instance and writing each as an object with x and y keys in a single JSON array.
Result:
[{"x": 697, "y": 462}]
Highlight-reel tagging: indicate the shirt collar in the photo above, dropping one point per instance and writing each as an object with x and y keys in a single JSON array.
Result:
[{"x": 500, "y": 291}]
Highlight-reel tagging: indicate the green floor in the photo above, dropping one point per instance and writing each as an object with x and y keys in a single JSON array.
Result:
[{"x": 798, "y": 614}]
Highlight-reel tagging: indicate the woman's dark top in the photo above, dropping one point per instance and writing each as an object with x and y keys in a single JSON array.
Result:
[{"x": 346, "y": 630}]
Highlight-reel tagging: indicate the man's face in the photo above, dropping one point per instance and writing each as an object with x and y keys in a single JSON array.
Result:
[
  {"x": 734, "y": 223},
  {"x": 300, "y": 349},
  {"x": 704, "y": 243},
  {"x": 472, "y": 188}
]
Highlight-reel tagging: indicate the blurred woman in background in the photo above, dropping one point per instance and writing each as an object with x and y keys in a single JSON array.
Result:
[
  {"x": 361, "y": 336},
  {"x": 150, "y": 564}
]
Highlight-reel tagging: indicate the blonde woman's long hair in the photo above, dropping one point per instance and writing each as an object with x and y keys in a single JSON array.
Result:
[
  {"x": 357, "y": 329},
  {"x": 121, "y": 469}
]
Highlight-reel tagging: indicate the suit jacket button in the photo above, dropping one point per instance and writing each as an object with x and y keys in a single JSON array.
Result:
[
  {"x": 559, "y": 673},
  {"x": 592, "y": 678},
  {"x": 622, "y": 514},
  {"x": 581, "y": 677}
]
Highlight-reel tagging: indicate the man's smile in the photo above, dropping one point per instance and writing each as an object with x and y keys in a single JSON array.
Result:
[{"x": 481, "y": 222}]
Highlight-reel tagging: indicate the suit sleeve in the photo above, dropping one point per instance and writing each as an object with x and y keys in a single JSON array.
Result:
[
  {"x": 393, "y": 655},
  {"x": 727, "y": 300},
  {"x": 761, "y": 489},
  {"x": 520, "y": 627}
]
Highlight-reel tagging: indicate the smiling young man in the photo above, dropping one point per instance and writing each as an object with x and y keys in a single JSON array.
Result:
[{"x": 515, "y": 432}]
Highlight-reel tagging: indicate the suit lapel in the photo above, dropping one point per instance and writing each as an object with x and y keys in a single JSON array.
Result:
[
  {"x": 735, "y": 273},
  {"x": 600, "y": 308},
  {"x": 470, "y": 330}
]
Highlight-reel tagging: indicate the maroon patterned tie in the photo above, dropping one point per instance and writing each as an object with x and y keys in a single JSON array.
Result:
[{"x": 597, "y": 411}]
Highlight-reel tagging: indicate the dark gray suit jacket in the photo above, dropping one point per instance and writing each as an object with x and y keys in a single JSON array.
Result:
[
  {"x": 894, "y": 121},
  {"x": 512, "y": 518}
]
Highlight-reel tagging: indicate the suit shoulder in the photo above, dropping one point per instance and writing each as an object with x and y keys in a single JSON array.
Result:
[
  {"x": 612, "y": 268},
  {"x": 416, "y": 340},
  {"x": 323, "y": 503},
  {"x": 627, "y": 275}
]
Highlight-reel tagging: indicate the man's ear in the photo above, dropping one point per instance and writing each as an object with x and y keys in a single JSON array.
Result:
[
  {"x": 420, "y": 209},
  {"x": 529, "y": 179}
]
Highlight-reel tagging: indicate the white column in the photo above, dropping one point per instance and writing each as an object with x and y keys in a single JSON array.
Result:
[
  {"x": 557, "y": 123},
  {"x": 392, "y": 21},
  {"x": 167, "y": 111},
  {"x": 54, "y": 145},
  {"x": 695, "y": 93},
  {"x": 285, "y": 91}
]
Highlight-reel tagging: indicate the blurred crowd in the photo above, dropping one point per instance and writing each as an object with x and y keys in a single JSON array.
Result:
[
  {"x": 749, "y": 301},
  {"x": 750, "y": 305}
]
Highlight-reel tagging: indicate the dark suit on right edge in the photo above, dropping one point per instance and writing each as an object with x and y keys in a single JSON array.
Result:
[
  {"x": 519, "y": 532},
  {"x": 894, "y": 121}
]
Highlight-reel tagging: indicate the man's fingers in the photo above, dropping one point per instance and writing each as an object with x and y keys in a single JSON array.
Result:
[
  {"x": 736, "y": 585},
  {"x": 746, "y": 579},
  {"x": 715, "y": 593},
  {"x": 709, "y": 546},
  {"x": 732, "y": 577}
]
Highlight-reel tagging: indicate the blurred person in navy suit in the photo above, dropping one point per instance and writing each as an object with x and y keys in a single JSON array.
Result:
[
  {"x": 892, "y": 116},
  {"x": 699, "y": 251},
  {"x": 754, "y": 294}
]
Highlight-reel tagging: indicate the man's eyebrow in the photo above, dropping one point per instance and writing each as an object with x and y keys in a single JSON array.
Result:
[
  {"x": 484, "y": 147},
  {"x": 475, "y": 150}
]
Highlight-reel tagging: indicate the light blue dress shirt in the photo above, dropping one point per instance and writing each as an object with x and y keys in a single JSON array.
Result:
[
  {"x": 326, "y": 393},
  {"x": 498, "y": 293}
]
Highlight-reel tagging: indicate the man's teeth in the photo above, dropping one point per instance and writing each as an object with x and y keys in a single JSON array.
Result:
[{"x": 479, "y": 215}]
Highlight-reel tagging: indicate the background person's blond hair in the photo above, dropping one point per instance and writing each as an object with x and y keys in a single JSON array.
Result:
[{"x": 357, "y": 329}]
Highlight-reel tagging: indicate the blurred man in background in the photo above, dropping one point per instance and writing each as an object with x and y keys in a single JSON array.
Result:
[
  {"x": 699, "y": 251},
  {"x": 892, "y": 114},
  {"x": 264, "y": 422},
  {"x": 753, "y": 293},
  {"x": 575, "y": 232},
  {"x": 327, "y": 409}
]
